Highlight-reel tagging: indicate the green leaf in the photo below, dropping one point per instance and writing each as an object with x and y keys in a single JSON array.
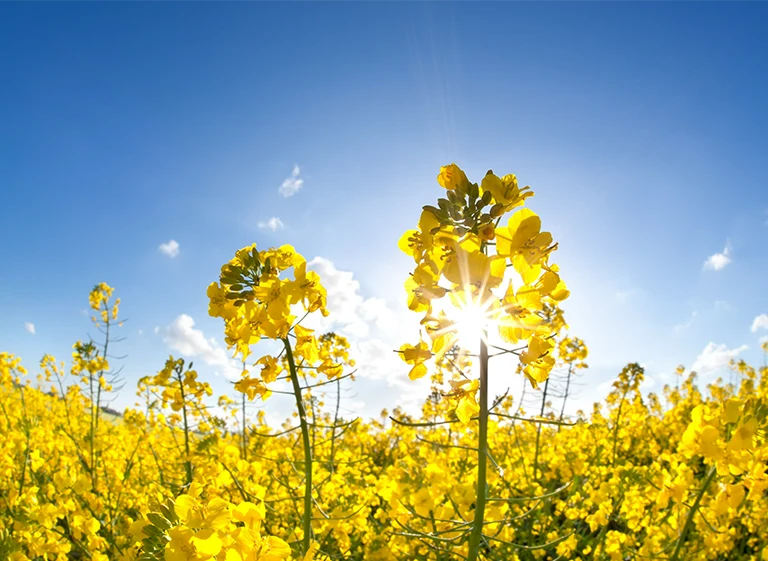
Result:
[
  {"x": 168, "y": 511},
  {"x": 153, "y": 531},
  {"x": 158, "y": 520}
]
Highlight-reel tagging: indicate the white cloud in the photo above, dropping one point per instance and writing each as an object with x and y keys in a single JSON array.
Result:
[
  {"x": 141, "y": 332},
  {"x": 292, "y": 184},
  {"x": 30, "y": 327},
  {"x": 171, "y": 248},
  {"x": 181, "y": 336},
  {"x": 350, "y": 313},
  {"x": 273, "y": 224},
  {"x": 372, "y": 326},
  {"x": 377, "y": 311},
  {"x": 648, "y": 382},
  {"x": 760, "y": 322},
  {"x": 344, "y": 299},
  {"x": 719, "y": 261},
  {"x": 156, "y": 330},
  {"x": 715, "y": 357},
  {"x": 683, "y": 326},
  {"x": 377, "y": 359}
]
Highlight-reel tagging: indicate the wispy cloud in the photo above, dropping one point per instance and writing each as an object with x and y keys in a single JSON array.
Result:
[
  {"x": 292, "y": 184},
  {"x": 683, "y": 326},
  {"x": 715, "y": 357},
  {"x": 719, "y": 261},
  {"x": 760, "y": 322},
  {"x": 273, "y": 224},
  {"x": 171, "y": 248},
  {"x": 30, "y": 327},
  {"x": 181, "y": 336}
]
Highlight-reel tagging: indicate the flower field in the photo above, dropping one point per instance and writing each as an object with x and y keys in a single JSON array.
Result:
[{"x": 678, "y": 475}]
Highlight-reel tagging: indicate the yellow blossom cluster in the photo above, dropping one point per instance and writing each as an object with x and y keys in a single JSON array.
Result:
[
  {"x": 465, "y": 257},
  {"x": 187, "y": 528}
]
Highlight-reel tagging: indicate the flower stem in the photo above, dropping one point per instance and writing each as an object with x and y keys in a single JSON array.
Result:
[
  {"x": 482, "y": 458},
  {"x": 692, "y": 513},
  {"x": 307, "y": 518},
  {"x": 188, "y": 457},
  {"x": 538, "y": 430}
]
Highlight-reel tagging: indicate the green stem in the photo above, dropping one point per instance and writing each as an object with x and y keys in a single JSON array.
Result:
[
  {"x": 245, "y": 434},
  {"x": 567, "y": 389},
  {"x": 92, "y": 432},
  {"x": 692, "y": 513},
  {"x": 616, "y": 427},
  {"x": 307, "y": 518},
  {"x": 482, "y": 458},
  {"x": 538, "y": 430},
  {"x": 187, "y": 461},
  {"x": 26, "y": 434}
]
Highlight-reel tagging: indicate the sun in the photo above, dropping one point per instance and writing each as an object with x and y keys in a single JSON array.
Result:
[
  {"x": 471, "y": 326},
  {"x": 472, "y": 318}
]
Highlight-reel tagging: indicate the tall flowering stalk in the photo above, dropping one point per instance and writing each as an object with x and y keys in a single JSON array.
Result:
[
  {"x": 257, "y": 299},
  {"x": 180, "y": 389},
  {"x": 573, "y": 352},
  {"x": 90, "y": 363},
  {"x": 463, "y": 255}
]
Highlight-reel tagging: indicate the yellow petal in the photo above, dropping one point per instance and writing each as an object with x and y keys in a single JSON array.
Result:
[
  {"x": 207, "y": 543},
  {"x": 466, "y": 409},
  {"x": 523, "y": 225},
  {"x": 405, "y": 243},
  {"x": 188, "y": 509},
  {"x": 418, "y": 371},
  {"x": 452, "y": 177}
]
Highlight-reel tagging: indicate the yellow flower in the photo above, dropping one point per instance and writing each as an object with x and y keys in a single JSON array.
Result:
[
  {"x": 416, "y": 355},
  {"x": 270, "y": 368},
  {"x": 188, "y": 545},
  {"x": 473, "y": 268},
  {"x": 274, "y": 549},
  {"x": 252, "y": 387},
  {"x": 464, "y": 394},
  {"x": 452, "y": 177}
]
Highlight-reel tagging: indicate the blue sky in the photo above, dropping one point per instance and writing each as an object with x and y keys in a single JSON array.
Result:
[{"x": 641, "y": 127}]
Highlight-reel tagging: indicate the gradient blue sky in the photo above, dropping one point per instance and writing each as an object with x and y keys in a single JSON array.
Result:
[{"x": 641, "y": 127}]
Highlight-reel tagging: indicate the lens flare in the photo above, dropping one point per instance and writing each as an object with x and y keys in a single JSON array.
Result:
[
  {"x": 471, "y": 325},
  {"x": 472, "y": 318}
]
